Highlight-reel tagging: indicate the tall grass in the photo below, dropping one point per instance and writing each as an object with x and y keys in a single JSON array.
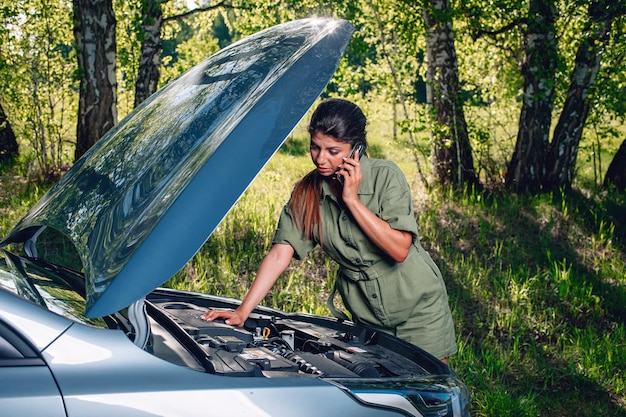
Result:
[
  {"x": 537, "y": 288},
  {"x": 537, "y": 283}
]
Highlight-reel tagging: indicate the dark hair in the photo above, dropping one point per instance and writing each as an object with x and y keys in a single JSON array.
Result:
[
  {"x": 344, "y": 121},
  {"x": 341, "y": 119}
]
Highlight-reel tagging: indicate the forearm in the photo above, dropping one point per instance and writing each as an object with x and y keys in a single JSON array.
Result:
[
  {"x": 395, "y": 243},
  {"x": 273, "y": 265}
]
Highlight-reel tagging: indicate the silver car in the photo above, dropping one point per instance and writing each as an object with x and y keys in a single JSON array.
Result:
[{"x": 102, "y": 339}]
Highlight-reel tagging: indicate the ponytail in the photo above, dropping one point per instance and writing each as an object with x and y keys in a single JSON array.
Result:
[{"x": 305, "y": 205}]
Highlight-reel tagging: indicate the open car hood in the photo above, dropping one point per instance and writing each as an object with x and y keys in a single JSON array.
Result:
[{"x": 142, "y": 201}]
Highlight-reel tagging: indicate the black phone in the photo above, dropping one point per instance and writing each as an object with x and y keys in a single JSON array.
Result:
[{"x": 356, "y": 149}]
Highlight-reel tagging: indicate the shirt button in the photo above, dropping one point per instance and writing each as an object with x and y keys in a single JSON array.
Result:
[
  {"x": 374, "y": 296},
  {"x": 344, "y": 218}
]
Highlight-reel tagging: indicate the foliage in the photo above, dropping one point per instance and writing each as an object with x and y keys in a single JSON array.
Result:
[
  {"x": 128, "y": 37},
  {"x": 37, "y": 79},
  {"x": 385, "y": 59},
  {"x": 187, "y": 42}
]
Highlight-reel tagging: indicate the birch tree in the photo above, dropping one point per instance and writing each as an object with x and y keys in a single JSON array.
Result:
[
  {"x": 94, "y": 33},
  {"x": 152, "y": 21},
  {"x": 527, "y": 166},
  {"x": 452, "y": 153},
  {"x": 561, "y": 41},
  {"x": 563, "y": 150}
]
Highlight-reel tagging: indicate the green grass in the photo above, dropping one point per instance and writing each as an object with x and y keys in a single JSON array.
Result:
[
  {"x": 536, "y": 283},
  {"x": 537, "y": 289}
]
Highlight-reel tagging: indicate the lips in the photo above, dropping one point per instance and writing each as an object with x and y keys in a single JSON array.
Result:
[{"x": 325, "y": 171}]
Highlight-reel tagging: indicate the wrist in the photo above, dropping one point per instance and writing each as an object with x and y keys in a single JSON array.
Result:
[
  {"x": 243, "y": 312},
  {"x": 352, "y": 203}
]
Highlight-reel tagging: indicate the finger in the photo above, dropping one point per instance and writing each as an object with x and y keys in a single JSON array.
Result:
[
  {"x": 345, "y": 172},
  {"x": 350, "y": 163},
  {"x": 212, "y": 314}
]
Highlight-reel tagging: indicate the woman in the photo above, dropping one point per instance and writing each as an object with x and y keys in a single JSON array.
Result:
[{"x": 360, "y": 211}]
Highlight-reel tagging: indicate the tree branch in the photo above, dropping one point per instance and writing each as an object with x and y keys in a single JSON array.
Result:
[
  {"x": 221, "y": 4},
  {"x": 493, "y": 33}
]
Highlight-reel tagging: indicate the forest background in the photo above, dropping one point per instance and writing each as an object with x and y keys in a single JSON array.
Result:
[{"x": 506, "y": 116}]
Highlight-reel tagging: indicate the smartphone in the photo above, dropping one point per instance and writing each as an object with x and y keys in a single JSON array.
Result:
[{"x": 356, "y": 149}]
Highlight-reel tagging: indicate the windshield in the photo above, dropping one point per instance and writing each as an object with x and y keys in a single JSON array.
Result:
[{"x": 58, "y": 289}]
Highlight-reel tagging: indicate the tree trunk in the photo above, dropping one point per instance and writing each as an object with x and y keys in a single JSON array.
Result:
[
  {"x": 616, "y": 174},
  {"x": 526, "y": 168},
  {"x": 152, "y": 21},
  {"x": 9, "y": 148},
  {"x": 562, "y": 152},
  {"x": 452, "y": 159},
  {"x": 94, "y": 32},
  {"x": 150, "y": 59}
]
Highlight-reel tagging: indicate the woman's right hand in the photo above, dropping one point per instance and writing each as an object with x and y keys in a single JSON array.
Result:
[
  {"x": 273, "y": 264},
  {"x": 233, "y": 318}
]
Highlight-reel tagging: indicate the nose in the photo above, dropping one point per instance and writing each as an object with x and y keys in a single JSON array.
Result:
[{"x": 318, "y": 157}]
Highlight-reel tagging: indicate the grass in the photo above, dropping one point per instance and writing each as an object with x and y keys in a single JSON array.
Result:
[
  {"x": 536, "y": 283},
  {"x": 537, "y": 289}
]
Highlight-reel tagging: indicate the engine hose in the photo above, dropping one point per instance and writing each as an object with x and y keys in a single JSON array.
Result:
[{"x": 303, "y": 365}]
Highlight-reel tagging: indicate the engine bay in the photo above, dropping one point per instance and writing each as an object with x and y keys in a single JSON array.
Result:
[{"x": 271, "y": 346}]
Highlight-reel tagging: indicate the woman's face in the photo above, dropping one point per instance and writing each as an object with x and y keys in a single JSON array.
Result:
[{"x": 327, "y": 153}]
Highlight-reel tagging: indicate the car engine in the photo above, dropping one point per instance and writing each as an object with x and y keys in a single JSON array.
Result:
[{"x": 271, "y": 346}]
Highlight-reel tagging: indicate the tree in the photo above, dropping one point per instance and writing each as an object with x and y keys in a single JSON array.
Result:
[
  {"x": 616, "y": 174},
  {"x": 152, "y": 21},
  {"x": 8, "y": 145},
  {"x": 94, "y": 32},
  {"x": 452, "y": 154},
  {"x": 150, "y": 57},
  {"x": 616, "y": 88},
  {"x": 401, "y": 33},
  {"x": 388, "y": 46},
  {"x": 558, "y": 74},
  {"x": 563, "y": 150},
  {"x": 526, "y": 168},
  {"x": 36, "y": 84}
]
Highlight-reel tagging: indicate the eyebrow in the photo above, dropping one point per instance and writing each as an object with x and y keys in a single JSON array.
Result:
[{"x": 334, "y": 147}]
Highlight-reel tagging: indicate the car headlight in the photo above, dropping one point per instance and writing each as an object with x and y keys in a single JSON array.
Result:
[{"x": 432, "y": 396}]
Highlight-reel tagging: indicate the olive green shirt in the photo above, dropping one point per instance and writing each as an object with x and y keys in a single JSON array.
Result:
[{"x": 408, "y": 299}]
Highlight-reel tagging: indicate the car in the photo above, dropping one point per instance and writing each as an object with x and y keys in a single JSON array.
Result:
[{"x": 98, "y": 335}]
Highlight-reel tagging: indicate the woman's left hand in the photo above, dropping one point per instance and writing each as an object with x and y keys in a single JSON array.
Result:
[
  {"x": 352, "y": 177},
  {"x": 395, "y": 243}
]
